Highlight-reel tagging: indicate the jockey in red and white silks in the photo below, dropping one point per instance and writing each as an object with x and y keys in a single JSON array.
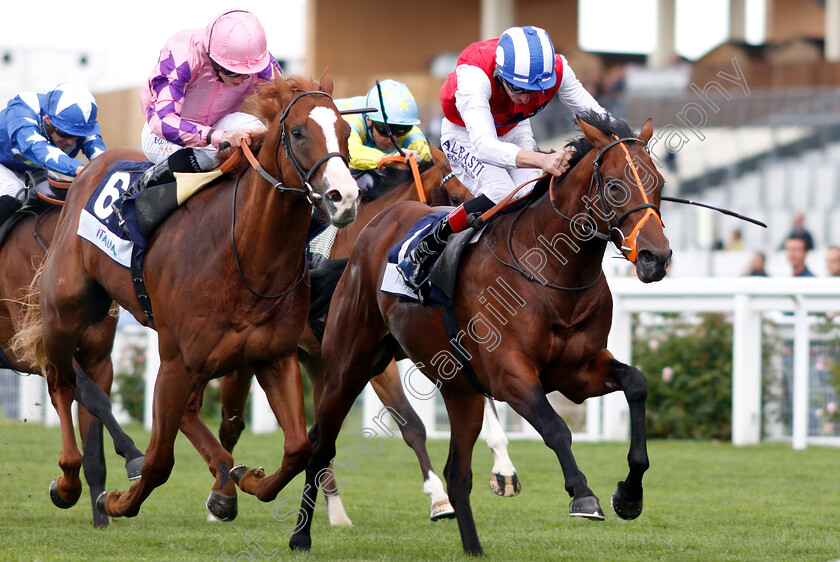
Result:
[{"x": 485, "y": 131}]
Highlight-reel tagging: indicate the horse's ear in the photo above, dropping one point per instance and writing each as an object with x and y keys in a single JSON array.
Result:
[
  {"x": 647, "y": 131},
  {"x": 593, "y": 134},
  {"x": 326, "y": 82}
]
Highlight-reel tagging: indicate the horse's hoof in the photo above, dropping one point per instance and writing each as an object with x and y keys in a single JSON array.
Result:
[
  {"x": 100, "y": 503},
  {"x": 623, "y": 506},
  {"x": 300, "y": 543},
  {"x": 56, "y": 498},
  {"x": 237, "y": 472},
  {"x": 505, "y": 486},
  {"x": 587, "y": 507},
  {"x": 134, "y": 468},
  {"x": 222, "y": 507},
  {"x": 442, "y": 510}
]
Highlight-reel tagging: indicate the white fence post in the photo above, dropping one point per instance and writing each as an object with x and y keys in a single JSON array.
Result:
[
  {"x": 615, "y": 412},
  {"x": 801, "y": 360},
  {"x": 34, "y": 401},
  {"x": 262, "y": 417},
  {"x": 746, "y": 373}
]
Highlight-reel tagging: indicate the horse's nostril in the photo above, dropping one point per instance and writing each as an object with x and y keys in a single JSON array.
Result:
[{"x": 334, "y": 196}]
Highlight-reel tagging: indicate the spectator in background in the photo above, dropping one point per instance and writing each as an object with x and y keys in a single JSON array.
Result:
[
  {"x": 757, "y": 265},
  {"x": 796, "y": 250},
  {"x": 736, "y": 243},
  {"x": 800, "y": 231},
  {"x": 832, "y": 261}
]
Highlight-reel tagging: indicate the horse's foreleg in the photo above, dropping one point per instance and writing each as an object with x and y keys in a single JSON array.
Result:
[
  {"x": 93, "y": 461},
  {"x": 465, "y": 422},
  {"x": 627, "y": 500},
  {"x": 349, "y": 376},
  {"x": 95, "y": 399},
  {"x": 389, "y": 389},
  {"x": 172, "y": 389},
  {"x": 522, "y": 390},
  {"x": 284, "y": 391},
  {"x": 503, "y": 481},
  {"x": 222, "y": 501},
  {"x": 234, "y": 394},
  {"x": 66, "y": 489}
]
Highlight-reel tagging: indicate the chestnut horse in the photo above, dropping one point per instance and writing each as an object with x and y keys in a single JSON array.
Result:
[
  {"x": 229, "y": 289},
  {"x": 545, "y": 329},
  {"x": 21, "y": 253}
]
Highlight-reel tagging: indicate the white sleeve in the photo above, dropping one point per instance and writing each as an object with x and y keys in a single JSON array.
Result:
[
  {"x": 472, "y": 98},
  {"x": 574, "y": 95}
]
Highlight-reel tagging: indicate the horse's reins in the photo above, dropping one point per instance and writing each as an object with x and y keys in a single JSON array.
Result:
[
  {"x": 308, "y": 192},
  {"x": 415, "y": 171}
]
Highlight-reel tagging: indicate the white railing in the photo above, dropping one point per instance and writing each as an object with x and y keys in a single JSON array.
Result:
[
  {"x": 607, "y": 418},
  {"x": 747, "y": 298}
]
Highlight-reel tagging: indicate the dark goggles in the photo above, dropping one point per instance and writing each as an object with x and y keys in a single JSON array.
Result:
[
  {"x": 219, "y": 69},
  {"x": 516, "y": 89},
  {"x": 62, "y": 134},
  {"x": 397, "y": 130}
]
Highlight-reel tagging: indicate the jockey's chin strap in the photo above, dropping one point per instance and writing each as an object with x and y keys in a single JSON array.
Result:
[
  {"x": 415, "y": 171},
  {"x": 307, "y": 191}
]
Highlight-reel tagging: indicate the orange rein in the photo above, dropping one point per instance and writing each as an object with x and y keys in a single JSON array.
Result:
[{"x": 414, "y": 170}]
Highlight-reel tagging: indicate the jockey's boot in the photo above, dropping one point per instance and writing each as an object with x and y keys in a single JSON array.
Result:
[
  {"x": 414, "y": 269},
  {"x": 8, "y": 206},
  {"x": 160, "y": 174}
]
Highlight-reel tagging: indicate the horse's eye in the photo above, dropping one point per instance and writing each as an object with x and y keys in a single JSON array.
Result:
[
  {"x": 455, "y": 200},
  {"x": 296, "y": 133},
  {"x": 614, "y": 185}
]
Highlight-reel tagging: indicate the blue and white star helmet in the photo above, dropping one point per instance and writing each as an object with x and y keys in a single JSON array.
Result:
[
  {"x": 525, "y": 58},
  {"x": 72, "y": 110},
  {"x": 400, "y": 105}
]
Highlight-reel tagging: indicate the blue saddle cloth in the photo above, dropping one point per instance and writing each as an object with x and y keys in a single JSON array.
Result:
[
  {"x": 400, "y": 250},
  {"x": 100, "y": 225}
]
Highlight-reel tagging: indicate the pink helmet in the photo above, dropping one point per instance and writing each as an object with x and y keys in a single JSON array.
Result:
[{"x": 236, "y": 41}]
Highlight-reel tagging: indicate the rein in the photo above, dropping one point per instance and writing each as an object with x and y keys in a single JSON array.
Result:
[{"x": 415, "y": 171}]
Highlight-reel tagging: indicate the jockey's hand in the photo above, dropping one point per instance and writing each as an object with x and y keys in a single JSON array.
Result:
[
  {"x": 79, "y": 170},
  {"x": 409, "y": 154},
  {"x": 555, "y": 163},
  {"x": 238, "y": 136}
]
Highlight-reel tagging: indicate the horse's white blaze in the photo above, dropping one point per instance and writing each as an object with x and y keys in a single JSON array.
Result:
[
  {"x": 335, "y": 509},
  {"x": 433, "y": 488},
  {"x": 336, "y": 174},
  {"x": 497, "y": 441}
]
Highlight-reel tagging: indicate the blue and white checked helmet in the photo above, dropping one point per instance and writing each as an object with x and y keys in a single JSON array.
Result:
[
  {"x": 525, "y": 58},
  {"x": 400, "y": 105},
  {"x": 72, "y": 110}
]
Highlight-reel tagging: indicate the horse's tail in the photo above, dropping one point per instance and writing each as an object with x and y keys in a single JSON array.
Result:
[
  {"x": 28, "y": 343},
  {"x": 323, "y": 280}
]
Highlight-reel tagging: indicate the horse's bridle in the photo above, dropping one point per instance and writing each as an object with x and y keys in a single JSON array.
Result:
[
  {"x": 303, "y": 176},
  {"x": 627, "y": 244}
]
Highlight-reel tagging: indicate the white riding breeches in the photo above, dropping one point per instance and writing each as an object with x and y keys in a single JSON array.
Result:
[
  {"x": 482, "y": 178},
  {"x": 157, "y": 149}
]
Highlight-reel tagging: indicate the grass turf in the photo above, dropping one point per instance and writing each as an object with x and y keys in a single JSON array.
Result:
[{"x": 704, "y": 501}]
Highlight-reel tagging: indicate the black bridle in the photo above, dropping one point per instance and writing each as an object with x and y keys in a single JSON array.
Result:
[
  {"x": 616, "y": 236},
  {"x": 304, "y": 176}
]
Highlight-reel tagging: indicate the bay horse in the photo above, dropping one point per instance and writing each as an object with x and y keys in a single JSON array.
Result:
[
  {"x": 440, "y": 187},
  {"x": 21, "y": 253},
  {"x": 546, "y": 331},
  {"x": 228, "y": 283}
]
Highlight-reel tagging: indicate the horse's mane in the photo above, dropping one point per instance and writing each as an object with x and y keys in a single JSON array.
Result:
[
  {"x": 268, "y": 99},
  {"x": 606, "y": 124},
  {"x": 392, "y": 177},
  {"x": 580, "y": 146}
]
